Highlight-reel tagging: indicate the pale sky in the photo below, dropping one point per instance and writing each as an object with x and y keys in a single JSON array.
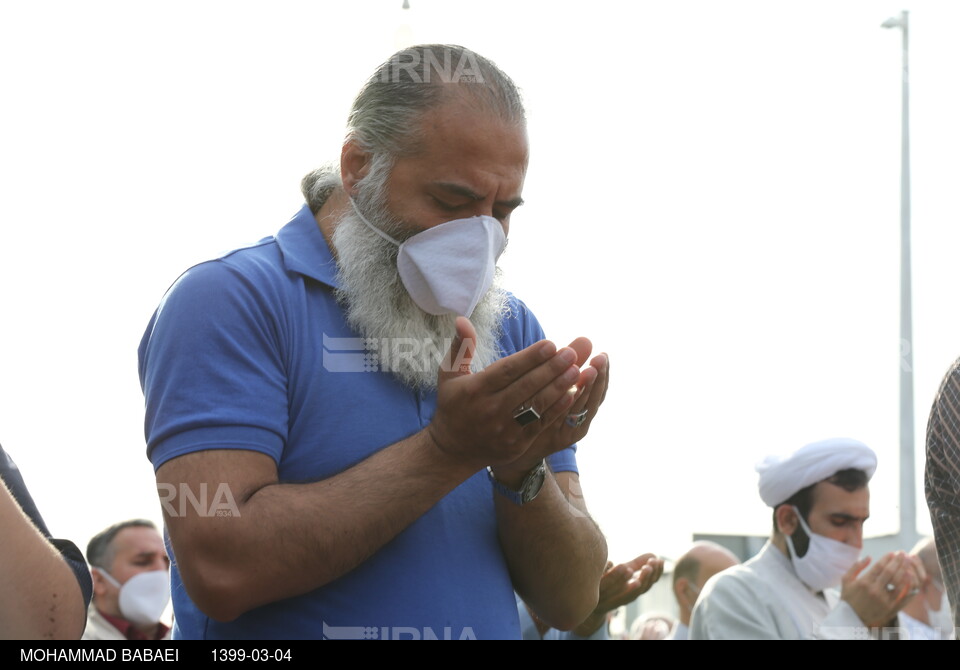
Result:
[{"x": 713, "y": 199}]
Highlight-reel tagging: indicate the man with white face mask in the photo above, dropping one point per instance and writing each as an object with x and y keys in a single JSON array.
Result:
[
  {"x": 928, "y": 616},
  {"x": 391, "y": 438},
  {"x": 131, "y": 583},
  {"x": 808, "y": 581}
]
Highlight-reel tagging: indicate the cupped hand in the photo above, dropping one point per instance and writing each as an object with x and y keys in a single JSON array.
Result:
[
  {"x": 474, "y": 420},
  {"x": 878, "y": 594}
]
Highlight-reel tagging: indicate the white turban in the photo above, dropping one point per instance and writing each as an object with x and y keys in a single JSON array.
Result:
[{"x": 782, "y": 476}]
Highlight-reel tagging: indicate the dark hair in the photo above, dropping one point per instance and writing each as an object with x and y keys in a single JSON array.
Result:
[
  {"x": 100, "y": 551},
  {"x": 850, "y": 480}
]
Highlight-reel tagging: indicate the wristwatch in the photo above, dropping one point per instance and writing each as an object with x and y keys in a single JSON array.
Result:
[{"x": 529, "y": 488}]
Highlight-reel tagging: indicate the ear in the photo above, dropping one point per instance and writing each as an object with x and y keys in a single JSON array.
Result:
[
  {"x": 354, "y": 165},
  {"x": 100, "y": 584},
  {"x": 786, "y": 519},
  {"x": 681, "y": 588}
]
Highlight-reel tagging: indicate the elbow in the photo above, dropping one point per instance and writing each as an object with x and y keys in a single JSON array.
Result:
[
  {"x": 216, "y": 597},
  {"x": 225, "y": 591},
  {"x": 575, "y": 615},
  {"x": 216, "y": 579},
  {"x": 576, "y": 603},
  {"x": 218, "y": 590},
  {"x": 571, "y": 610}
]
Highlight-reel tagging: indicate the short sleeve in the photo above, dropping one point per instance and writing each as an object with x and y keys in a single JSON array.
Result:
[{"x": 211, "y": 365}]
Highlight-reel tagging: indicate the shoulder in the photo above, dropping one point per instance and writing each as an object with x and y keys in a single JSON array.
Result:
[
  {"x": 738, "y": 603},
  {"x": 255, "y": 266},
  {"x": 943, "y": 419},
  {"x": 11, "y": 476},
  {"x": 740, "y": 581},
  {"x": 245, "y": 285}
]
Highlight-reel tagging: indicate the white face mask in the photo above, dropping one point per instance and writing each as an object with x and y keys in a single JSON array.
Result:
[
  {"x": 826, "y": 560},
  {"x": 448, "y": 268},
  {"x": 143, "y": 597}
]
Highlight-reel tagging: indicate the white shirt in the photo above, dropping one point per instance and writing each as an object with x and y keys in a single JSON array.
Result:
[
  {"x": 763, "y": 599},
  {"x": 914, "y": 629},
  {"x": 679, "y": 632}
]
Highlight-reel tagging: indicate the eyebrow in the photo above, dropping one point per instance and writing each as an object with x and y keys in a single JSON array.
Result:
[{"x": 459, "y": 189}]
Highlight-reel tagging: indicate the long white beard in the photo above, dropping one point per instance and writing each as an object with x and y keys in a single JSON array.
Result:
[{"x": 409, "y": 343}]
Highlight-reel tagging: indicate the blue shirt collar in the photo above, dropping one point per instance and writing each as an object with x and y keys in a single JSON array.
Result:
[{"x": 305, "y": 250}]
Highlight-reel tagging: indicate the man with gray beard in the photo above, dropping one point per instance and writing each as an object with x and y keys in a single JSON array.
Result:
[{"x": 395, "y": 435}]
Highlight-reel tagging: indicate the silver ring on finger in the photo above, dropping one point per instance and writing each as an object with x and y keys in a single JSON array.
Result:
[
  {"x": 576, "y": 419},
  {"x": 526, "y": 415}
]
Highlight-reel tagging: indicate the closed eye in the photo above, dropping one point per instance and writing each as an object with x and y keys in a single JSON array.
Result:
[
  {"x": 446, "y": 206},
  {"x": 840, "y": 521}
]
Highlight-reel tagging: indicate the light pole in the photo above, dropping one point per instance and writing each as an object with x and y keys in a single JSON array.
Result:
[{"x": 908, "y": 511}]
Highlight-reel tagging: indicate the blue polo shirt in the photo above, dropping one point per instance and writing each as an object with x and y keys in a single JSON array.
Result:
[{"x": 252, "y": 351}]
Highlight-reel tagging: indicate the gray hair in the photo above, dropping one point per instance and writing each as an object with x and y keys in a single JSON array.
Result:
[
  {"x": 386, "y": 113},
  {"x": 385, "y": 117},
  {"x": 100, "y": 549},
  {"x": 317, "y": 185}
]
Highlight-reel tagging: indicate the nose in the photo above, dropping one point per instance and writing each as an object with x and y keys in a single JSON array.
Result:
[{"x": 855, "y": 537}]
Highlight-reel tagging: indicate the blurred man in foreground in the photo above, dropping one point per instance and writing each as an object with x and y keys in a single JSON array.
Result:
[
  {"x": 45, "y": 585},
  {"x": 942, "y": 481}
]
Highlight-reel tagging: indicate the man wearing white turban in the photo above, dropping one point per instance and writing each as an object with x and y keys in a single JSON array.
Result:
[{"x": 820, "y": 499}]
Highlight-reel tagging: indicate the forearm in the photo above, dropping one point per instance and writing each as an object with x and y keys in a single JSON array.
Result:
[
  {"x": 39, "y": 594},
  {"x": 556, "y": 553},
  {"x": 305, "y": 535}
]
